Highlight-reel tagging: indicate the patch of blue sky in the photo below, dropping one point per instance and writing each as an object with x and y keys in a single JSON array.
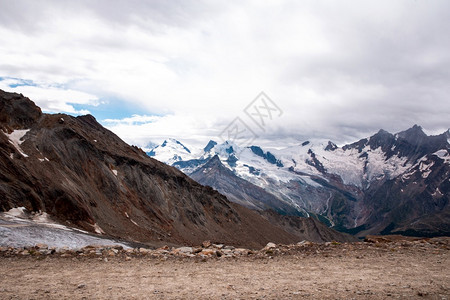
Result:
[
  {"x": 106, "y": 107},
  {"x": 113, "y": 108},
  {"x": 18, "y": 82}
]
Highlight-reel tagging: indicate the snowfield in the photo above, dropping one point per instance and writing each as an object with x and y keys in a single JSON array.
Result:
[
  {"x": 357, "y": 168},
  {"x": 18, "y": 229}
]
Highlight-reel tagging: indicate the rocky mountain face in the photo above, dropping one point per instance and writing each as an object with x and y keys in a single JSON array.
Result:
[
  {"x": 84, "y": 176},
  {"x": 409, "y": 194},
  {"x": 238, "y": 190},
  {"x": 387, "y": 183}
]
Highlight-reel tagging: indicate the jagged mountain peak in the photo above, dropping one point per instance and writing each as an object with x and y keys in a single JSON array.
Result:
[
  {"x": 209, "y": 146},
  {"x": 214, "y": 164},
  {"x": 225, "y": 150},
  {"x": 383, "y": 132},
  {"x": 412, "y": 134},
  {"x": 175, "y": 143},
  {"x": 170, "y": 151},
  {"x": 414, "y": 143},
  {"x": 383, "y": 139},
  {"x": 331, "y": 146},
  {"x": 214, "y": 161}
]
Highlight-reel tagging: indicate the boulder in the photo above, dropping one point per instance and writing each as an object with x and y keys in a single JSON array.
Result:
[{"x": 270, "y": 246}]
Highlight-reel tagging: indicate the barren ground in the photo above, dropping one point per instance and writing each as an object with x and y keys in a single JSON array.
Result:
[{"x": 337, "y": 271}]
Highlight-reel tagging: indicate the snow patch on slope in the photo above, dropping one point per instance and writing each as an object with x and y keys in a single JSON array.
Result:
[
  {"x": 16, "y": 139},
  {"x": 437, "y": 193},
  {"x": 298, "y": 157},
  {"x": 443, "y": 154},
  {"x": 346, "y": 163},
  {"x": 425, "y": 168},
  {"x": 378, "y": 166},
  {"x": 20, "y": 229},
  {"x": 19, "y": 214}
]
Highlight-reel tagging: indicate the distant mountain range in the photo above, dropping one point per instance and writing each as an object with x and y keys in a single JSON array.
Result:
[
  {"x": 82, "y": 175},
  {"x": 383, "y": 184}
]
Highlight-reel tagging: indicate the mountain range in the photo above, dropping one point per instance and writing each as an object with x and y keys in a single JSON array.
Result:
[
  {"x": 84, "y": 176},
  {"x": 384, "y": 184}
]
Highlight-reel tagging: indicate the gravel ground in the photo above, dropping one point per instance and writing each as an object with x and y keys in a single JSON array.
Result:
[{"x": 344, "y": 271}]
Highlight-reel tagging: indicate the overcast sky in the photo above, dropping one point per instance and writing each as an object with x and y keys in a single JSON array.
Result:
[{"x": 148, "y": 70}]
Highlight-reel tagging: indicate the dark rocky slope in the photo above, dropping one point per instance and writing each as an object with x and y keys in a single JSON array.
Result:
[
  {"x": 309, "y": 228},
  {"x": 83, "y": 175}
]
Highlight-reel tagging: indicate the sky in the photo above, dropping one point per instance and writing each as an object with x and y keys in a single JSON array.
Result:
[{"x": 195, "y": 70}]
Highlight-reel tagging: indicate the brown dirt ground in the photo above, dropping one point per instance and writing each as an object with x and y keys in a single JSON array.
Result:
[{"x": 339, "y": 272}]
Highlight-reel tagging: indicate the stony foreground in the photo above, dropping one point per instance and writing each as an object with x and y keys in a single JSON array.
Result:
[{"x": 379, "y": 268}]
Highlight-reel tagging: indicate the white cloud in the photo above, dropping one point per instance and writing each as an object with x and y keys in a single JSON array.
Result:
[
  {"x": 140, "y": 130},
  {"x": 339, "y": 70},
  {"x": 133, "y": 120},
  {"x": 51, "y": 99}
]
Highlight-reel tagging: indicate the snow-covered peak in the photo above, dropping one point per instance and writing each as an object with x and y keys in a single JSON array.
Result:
[
  {"x": 223, "y": 150},
  {"x": 383, "y": 155},
  {"x": 209, "y": 146},
  {"x": 175, "y": 144},
  {"x": 171, "y": 151}
]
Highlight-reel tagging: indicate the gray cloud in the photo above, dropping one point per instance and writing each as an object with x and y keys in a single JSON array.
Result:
[
  {"x": 31, "y": 15},
  {"x": 339, "y": 70}
]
